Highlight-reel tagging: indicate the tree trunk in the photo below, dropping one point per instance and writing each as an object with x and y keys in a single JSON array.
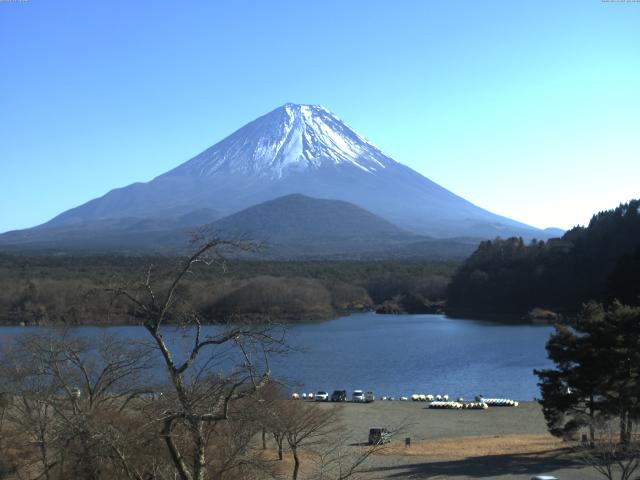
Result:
[
  {"x": 199, "y": 453},
  {"x": 61, "y": 456},
  {"x": 264, "y": 438},
  {"x": 44, "y": 459},
  {"x": 279, "y": 440},
  {"x": 44, "y": 456},
  {"x": 623, "y": 428},
  {"x": 176, "y": 456},
  {"x": 296, "y": 463},
  {"x": 592, "y": 414},
  {"x": 87, "y": 464}
]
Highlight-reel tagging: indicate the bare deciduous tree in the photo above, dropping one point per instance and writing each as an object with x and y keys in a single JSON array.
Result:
[
  {"x": 307, "y": 425},
  {"x": 608, "y": 455},
  {"x": 70, "y": 400},
  {"x": 218, "y": 369}
]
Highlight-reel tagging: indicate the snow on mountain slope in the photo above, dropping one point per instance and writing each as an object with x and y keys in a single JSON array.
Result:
[{"x": 290, "y": 139}]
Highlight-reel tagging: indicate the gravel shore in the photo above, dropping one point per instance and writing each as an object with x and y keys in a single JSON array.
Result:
[
  {"x": 422, "y": 423},
  {"x": 515, "y": 440}
]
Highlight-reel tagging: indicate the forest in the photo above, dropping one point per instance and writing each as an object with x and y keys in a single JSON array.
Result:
[
  {"x": 74, "y": 290},
  {"x": 600, "y": 262}
]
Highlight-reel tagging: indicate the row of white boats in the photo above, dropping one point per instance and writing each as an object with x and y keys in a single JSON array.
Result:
[
  {"x": 482, "y": 404},
  {"x": 443, "y": 402},
  {"x": 435, "y": 401},
  {"x": 459, "y": 405}
]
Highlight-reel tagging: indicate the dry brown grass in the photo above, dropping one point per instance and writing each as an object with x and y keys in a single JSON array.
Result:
[
  {"x": 466, "y": 447},
  {"x": 285, "y": 466}
]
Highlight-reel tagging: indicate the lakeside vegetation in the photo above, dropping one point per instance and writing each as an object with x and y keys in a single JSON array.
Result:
[
  {"x": 74, "y": 290},
  {"x": 600, "y": 262},
  {"x": 99, "y": 408},
  {"x": 597, "y": 371},
  {"x": 593, "y": 391}
]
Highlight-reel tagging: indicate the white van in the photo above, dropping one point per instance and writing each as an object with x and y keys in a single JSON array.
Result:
[{"x": 357, "y": 396}]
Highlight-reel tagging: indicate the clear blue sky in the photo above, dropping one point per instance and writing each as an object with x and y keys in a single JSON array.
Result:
[{"x": 529, "y": 109}]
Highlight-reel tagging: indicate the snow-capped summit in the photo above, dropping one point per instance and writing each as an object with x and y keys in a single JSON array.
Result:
[{"x": 291, "y": 138}]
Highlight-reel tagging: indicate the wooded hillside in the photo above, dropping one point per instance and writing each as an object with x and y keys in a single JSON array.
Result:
[{"x": 599, "y": 262}]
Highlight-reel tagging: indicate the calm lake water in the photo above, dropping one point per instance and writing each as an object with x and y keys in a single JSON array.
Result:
[{"x": 401, "y": 354}]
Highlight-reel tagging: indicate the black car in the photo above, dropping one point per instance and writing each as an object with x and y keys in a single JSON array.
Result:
[
  {"x": 339, "y": 396},
  {"x": 378, "y": 436}
]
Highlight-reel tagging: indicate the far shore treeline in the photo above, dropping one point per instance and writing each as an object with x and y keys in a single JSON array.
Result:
[
  {"x": 503, "y": 278},
  {"x": 75, "y": 290}
]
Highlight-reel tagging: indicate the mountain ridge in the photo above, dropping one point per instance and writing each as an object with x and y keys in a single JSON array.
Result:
[
  {"x": 294, "y": 149},
  {"x": 292, "y": 227},
  {"x": 296, "y": 216}
]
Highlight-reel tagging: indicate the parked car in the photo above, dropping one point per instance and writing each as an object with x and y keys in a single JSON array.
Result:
[
  {"x": 369, "y": 397},
  {"x": 357, "y": 396},
  {"x": 322, "y": 396},
  {"x": 378, "y": 436},
  {"x": 543, "y": 477},
  {"x": 339, "y": 396}
]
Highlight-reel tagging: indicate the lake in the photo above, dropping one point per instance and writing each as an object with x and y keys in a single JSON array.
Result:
[
  {"x": 405, "y": 354},
  {"x": 397, "y": 355}
]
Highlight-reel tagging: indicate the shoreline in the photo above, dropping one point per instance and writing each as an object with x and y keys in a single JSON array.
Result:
[{"x": 288, "y": 320}]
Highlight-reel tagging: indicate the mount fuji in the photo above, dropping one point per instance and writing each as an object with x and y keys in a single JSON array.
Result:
[{"x": 295, "y": 149}]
